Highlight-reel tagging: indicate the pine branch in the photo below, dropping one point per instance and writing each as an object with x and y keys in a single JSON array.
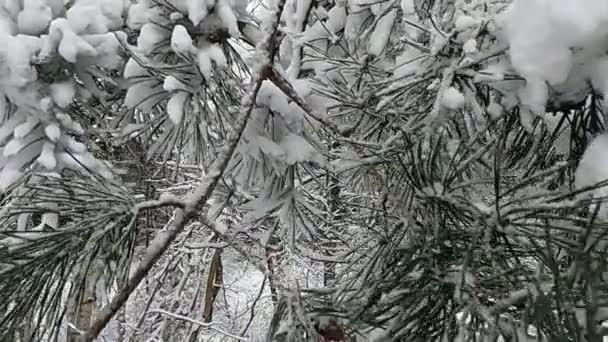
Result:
[
  {"x": 266, "y": 51},
  {"x": 286, "y": 87},
  {"x": 168, "y": 201}
]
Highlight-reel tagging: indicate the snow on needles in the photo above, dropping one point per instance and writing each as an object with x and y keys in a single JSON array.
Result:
[
  {"x": 452, "y": 98},
  {"x": 161, "y": 34},
  {"x": 34, "y": 36}
]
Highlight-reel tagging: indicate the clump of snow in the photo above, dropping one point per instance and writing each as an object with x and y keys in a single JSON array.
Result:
[
  {"x": 175, "y": 16},
  {"x": 297, "y": 149},
  {"x": 549, "y": 38},
  {"x": 108, "y": 47},
  {"x": 133, "y": 69},
  {"x": 47, "y": 156},
  {"x": 470, "y": 46},
  {"x": 63, "y": 39},
  {"x": 495, "y": 110},
  {"x": 408, "y": 7},
  {"x": 85, "y": 17},
  {"x": 35, "y": 17},
  {"x": 464, "y": 22},
  {"x": 13, "y": 147},
  {"x": 216, "y": 54},
  {"x": 171, "y": 84},
  {"x": 381, "y": 33},
  {"x": 53, "y": 132},
  {"x": 149, "y": 37},
  {"x": 452, "y": 98},
  {"x": 175, "y": 106},
  {"x": 204, "y": 63},
  {"x": 141, "y": 13},
  {"x": 63, "y": 93},
  {"x": 141, "y": 95},
  {"x": 225, "y": 13},
  {"x": 8, "y": 176},
  {"x": 181, "y": 42},
  {"x": 593, "y": 169},
  {"x": 197, "y": 10},
  {"x": 37, "y": 32},
  {"x": 25, "y": 128}
]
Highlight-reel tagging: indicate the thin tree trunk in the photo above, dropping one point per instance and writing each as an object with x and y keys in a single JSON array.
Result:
[
  {"x": 214, "y": 284},
  {"x": 271, "y": 261}
]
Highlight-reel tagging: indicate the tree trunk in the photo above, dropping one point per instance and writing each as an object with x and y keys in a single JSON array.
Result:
[
  {"x": 214, "y": 284},
  {"x": 271, "y": 261}
]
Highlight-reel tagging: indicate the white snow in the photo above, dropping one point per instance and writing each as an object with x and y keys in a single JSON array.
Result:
[
  {"x": 86, "y": 18},
  {"x": 25, "y": 128},
  {"x": 203, "y": 61},
  {"x": 494, "y": 110},
  {"x": 149, "y": 37},
  {"x": 171, "y": 84},
  {"x": 470, "y": 46},
  {"x": 63, "y": 93},
  {"x": 381, "y": 33},
  {"x": 302, "y": 87},
  {"x": 197, "y": 10},
  {"x": 53, "y": 132},
  {"x": 141, "y": 95},
  {"x": 408, "y": 7},
  {"x": 227, "y": 16},
  {"x": 138, "y": 15},
  {"x": 452, "y": 98},
  {"x": 181, "y": 42},
  {"x": 542, "y": 35},
  {"x": 107, "y": 46},
  {"x": 593, "y": 168},
  {"x": 8, "y": 176},
  {"x": 13, "y": 147},
  {"x": 35, "y": 17},
  {"x": 133, "y": 69},
  {"x": 216, "y": 54},
  {"x": 175, "y": 16},
  {"x": 464, "y": 22},
  {"x": 297, "y": 149},
  {"x": 175, "y": 106},
  {"x": 47, "y": 156},
  {"x": 73, "y": 145},
  {"x": 68, "y": 44}
]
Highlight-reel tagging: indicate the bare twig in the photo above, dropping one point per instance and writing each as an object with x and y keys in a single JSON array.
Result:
[
  {"x": 515, "y": 298},
  {"x": 255, "y": 302},
  {"x": 168, "y": 201}
]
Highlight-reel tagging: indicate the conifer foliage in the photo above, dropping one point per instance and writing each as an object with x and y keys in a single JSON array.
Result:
[{"x": 440, "y": 165}]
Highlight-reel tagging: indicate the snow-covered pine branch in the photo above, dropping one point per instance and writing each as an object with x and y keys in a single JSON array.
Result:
[
  {"x": 265, "y": 52},
  {"x": 367, "y": 156}
]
